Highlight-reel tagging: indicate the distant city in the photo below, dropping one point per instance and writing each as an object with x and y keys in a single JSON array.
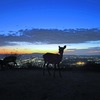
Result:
[{"x": 27, "y": 60}]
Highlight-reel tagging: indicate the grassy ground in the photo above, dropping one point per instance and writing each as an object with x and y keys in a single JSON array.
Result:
[{"x": 32, "y": 85}]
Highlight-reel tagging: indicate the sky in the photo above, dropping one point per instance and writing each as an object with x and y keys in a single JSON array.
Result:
[{"x": 39, "y": 26}]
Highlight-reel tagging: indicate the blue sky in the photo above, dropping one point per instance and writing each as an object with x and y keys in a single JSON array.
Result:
[
  {"x": 60, "y": 14},
  {"x": 17, "y": 15}
]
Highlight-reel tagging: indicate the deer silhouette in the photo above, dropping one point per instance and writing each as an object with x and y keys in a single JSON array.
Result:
[
  {"x": 50, "y": 58},
  {"x": 9, "y": 59}
]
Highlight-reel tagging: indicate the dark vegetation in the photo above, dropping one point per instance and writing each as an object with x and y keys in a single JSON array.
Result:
[{"x": 89, "y": 66}]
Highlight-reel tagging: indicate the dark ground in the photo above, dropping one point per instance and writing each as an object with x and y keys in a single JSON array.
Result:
[{"x": 32, "y": 85}]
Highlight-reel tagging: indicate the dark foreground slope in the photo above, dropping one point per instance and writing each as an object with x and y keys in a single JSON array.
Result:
[{"x": 32, "y": 85}]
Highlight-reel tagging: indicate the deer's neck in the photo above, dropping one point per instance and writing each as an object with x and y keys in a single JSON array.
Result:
[{"x": 61, "y": 55}]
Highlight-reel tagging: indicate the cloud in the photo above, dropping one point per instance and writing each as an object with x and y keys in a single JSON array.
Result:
[
  {"x": 89, "y": 51},
  {"x": 62, "y": 36},
  {"x": 51, "y": 36}
]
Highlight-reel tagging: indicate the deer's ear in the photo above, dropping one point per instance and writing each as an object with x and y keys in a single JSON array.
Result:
[
  {"x": 59, "y": 46},
  {"x": 64, "y": 46}
]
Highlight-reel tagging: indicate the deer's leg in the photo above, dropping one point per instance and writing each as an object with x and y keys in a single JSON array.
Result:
[
  {"x": 44, "y": 68},
  {"x": 59, "y": 70},
  {"x": 15, "y": 64},
  {"x": 54, "y": 69},
  {"x": 6, "y": 66},
  {"x": 0, "y": 66},
  {"x": 48, "y": 68}
]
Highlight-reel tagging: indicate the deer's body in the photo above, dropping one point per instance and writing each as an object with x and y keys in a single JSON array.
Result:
[
  {"x": 9, "y": 59},
  {"x": 50, "y": 58}
]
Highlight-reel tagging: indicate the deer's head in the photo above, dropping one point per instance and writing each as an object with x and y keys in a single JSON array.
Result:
[{"x": 61, "y": 49}]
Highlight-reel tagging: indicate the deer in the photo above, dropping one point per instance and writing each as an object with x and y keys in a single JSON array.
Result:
[
  {"x": 9, "y": 59},
  {"x": 55, "y": 59}
]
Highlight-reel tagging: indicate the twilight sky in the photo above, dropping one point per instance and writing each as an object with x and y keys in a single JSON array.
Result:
[{"x": 29, "y": 26}]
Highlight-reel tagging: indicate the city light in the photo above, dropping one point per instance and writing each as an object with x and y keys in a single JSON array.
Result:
[{"x": 80, "y": 63}]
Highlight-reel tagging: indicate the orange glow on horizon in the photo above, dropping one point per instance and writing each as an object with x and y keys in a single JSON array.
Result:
[
  {"x": 11, "y": 50},
  {"x": 29, "y": 49}
]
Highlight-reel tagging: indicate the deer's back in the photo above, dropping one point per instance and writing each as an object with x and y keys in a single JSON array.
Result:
[{"x": 9, "y": 59}]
